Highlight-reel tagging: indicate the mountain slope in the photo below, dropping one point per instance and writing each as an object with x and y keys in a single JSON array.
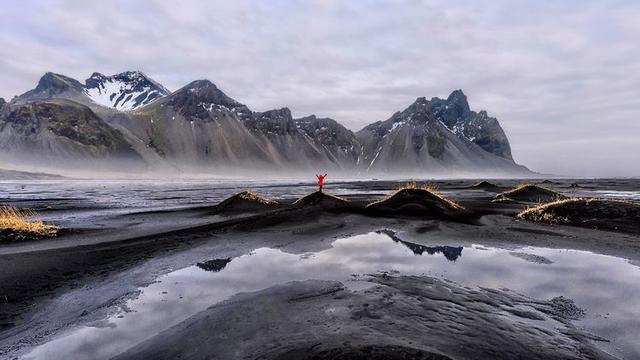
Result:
[
  {"x": 61, "y": 132},
  {"x": 198, "y": 126}
]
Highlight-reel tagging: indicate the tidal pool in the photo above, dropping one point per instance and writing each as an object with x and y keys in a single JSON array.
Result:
[{"x": 608, "y": 288}]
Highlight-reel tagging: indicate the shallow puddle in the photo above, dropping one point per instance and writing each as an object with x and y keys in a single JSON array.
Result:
[{"x": 608, "y": 288}]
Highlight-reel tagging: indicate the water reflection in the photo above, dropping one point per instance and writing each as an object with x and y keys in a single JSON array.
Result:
[
  {"x": 607, "y": 287},
  {"x": 450, "y": 252},
  {"x": 214, "y": 265}
]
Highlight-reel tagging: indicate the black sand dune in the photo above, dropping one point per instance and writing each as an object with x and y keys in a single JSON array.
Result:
[
  {"x": 245, "y": 201},
  {"x": 529, "y": 193},
  {"x": 321, "y": 200},
  {"x": 601, "y": 214},
  {"x": 486, "y": 186},
  {"x": 415, "y": 202}
]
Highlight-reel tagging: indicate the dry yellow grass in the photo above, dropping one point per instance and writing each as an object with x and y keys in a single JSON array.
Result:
[
  {"x": 251, "y": 196},
  {"x": 538, "y": 212},
  {"x": 432, "y": 188},
  {"x": 596, "y": 213},
  {"x": 523, "y": 185},
  {"x": 536, "y": 208},
  {"x": 517, "y": 188},
  {"x": 429, "y": 187},
  {"x": 18, "y": 220}
]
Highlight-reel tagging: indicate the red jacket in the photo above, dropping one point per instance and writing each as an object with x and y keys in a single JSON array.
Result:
[{"x": 321, "y": 179}]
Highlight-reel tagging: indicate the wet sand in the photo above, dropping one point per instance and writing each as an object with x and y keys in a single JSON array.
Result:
[
  {"x": 131, "y": 250},
  {"x": 427, "y": 318}
]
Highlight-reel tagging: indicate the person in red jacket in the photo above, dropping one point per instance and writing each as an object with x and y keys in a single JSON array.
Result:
[{"x": 321, "y": 180}]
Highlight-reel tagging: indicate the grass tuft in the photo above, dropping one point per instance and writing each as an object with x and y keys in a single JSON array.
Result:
[
  {"x": 23, "y": 221},
  {"x": 251, "y": 196}
]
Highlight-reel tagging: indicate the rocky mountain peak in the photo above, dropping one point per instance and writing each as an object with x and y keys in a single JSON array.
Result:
[
  {"x": 201, "y": 98},
  {"x": 479, "y": 128},
  {"x": 51, "y": 85},
  {"x": 201, "y": 85},
  {"x": 97, "y": 76},
  {"x": 458, "y": 97},
  {"x": 2, "y": 102},
  {"x": 421, "y": 101},
  {"x": 452, "y": 110},
  {"x": 57, "y": 83},
  {"x": 124, "y": 91},
  {"x": 207, "y": 93}
]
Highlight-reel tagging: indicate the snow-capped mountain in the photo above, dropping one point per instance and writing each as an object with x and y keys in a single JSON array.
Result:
[{"x": 125, "y": 91}]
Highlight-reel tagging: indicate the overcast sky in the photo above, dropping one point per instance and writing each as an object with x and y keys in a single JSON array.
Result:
[{"x": 562, "y": 77}]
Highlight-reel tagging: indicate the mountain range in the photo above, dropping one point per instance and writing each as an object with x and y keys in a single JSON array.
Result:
[{"x": 130, "y": 123}]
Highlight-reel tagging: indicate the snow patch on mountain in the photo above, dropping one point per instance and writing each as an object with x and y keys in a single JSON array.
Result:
[{"x": 125, "y": 91}]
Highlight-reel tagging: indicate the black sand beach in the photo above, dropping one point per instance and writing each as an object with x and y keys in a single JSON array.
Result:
[{"x": 84, "y": 275}]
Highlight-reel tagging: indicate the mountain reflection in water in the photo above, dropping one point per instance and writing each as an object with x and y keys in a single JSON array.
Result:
[
  {"x": 452, "y": 253},
  {"x": 214, "y": 265}
]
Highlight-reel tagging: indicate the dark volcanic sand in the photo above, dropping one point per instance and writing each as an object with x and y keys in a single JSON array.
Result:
[{"x": 106, "y": 255}]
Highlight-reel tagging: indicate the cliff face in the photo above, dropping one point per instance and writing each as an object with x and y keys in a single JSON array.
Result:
[{"x": 478, "y": 127}]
